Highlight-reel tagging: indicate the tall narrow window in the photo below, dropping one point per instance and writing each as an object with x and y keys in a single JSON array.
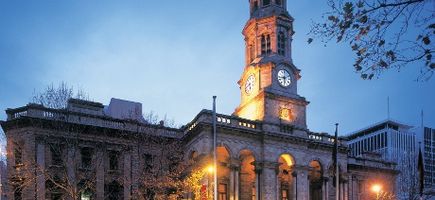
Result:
[
  {"x": 281, "y": 43},
  {"x": 56, "y": 155},
  {"x": 113, "y": 160},
  {"x": 18, "y": 195},
  {"x": 266, "y": 2},
  {"x": 284, "y": 192},
  {"x": 222, "y": 192},
  {"x": 18, "y": 155},
  {"x": 251, "y": 53},
  {"x": 86, "y": 156},
  {"x": 254, "y": 193},
  {"x": 265, "y": 45},
  {"x": 148, "y": 163},
  {"x": 255, "y": 6}
]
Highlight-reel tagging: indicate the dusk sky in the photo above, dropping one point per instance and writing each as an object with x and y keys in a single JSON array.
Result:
[{"x": 173, "y": 56}]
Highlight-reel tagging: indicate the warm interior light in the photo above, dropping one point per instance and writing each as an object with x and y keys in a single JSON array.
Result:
[
  {"x": 210, "y": 169},
  {"x": 288, "y": 159},
  {"x": 376, "y": 188}
]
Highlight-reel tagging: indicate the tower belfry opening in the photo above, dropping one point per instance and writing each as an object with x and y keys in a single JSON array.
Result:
[{"x": 269, "y": 82}]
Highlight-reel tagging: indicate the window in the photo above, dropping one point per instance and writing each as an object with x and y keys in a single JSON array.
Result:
[
  {"x": 113, "y": 160},
  {"x": 281, "y": 43},
  {"x": 113, "y": 191},
  {"x": 284, "y": 194},
  {"x": 254, "y": 193},
  {"x": 18, "y": 195},
  {"x": 86, "y": 154},
  {"x": 266, "y": 2},
  {"x": 251, "y": 52},
  {"x": 18, "y": 154},
  {"x": 86, "y": 195},
  {"x": 265, "y": 45},
  {"x": 222, "y": 192},
  {"x": 278, "y": 2},
  {"x": 148, "y": 162},
  {"x": 56, "y": 155},
  {"x": 255, "y": 6}
]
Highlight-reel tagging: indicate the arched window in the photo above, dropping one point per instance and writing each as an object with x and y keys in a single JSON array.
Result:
[
  {"x": 281, "y": 43},
  {"x": 265, "y": 45}
]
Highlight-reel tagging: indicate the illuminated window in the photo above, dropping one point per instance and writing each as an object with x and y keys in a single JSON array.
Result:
[
  {"x": 265, "y": 45},
  {"x": 284, "y": 192},
  {"x": 222, "y": 192},
  {"x": 254, "y": 193},
  {"x": 86, "y": 195}
]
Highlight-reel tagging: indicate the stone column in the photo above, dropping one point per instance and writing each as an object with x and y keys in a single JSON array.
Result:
[
  {"x": 135, "y": 170},
  {"x": 71, "y": 168},
  {"x": 231, "y": 189},
  {"x": 40, "y": 176},
  {"x": 237, "y": 184},
  {"x": 345, "y": 188},
  {"x": 302, "y": 183},
  {"x": 99, "y": 158},
  {"x": 127, "y": 175},
  {"x": 325, "y": 188},
  {"x": 258, "y": 170},
  {"x": 295, "y": 185},
  {"x": 268, "y": 184}
]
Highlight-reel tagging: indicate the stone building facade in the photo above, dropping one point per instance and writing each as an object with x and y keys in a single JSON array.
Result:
[{"x": 264, "y": 149}]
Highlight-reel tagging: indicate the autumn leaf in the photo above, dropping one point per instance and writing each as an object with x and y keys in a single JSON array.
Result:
[
  {"x": 426, "y": 40},
  {"x": 310, "y": 40}
]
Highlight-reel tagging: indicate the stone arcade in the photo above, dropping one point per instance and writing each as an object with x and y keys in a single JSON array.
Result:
[{"x": 265, "y": 150}]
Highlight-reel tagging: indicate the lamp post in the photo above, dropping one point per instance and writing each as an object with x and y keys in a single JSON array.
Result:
[{"x": 377, "y": 189}]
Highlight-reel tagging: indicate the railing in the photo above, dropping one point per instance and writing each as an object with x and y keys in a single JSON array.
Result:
[{"x": 40, "y": 112}]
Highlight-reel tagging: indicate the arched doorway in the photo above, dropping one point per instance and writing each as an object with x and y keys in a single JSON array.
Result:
[
  {"x": 315, "y": 175},
  {"x": 223, "y": 172},
  {"x": 248, "y": 186},
  {"x": 286, "y": 177}
]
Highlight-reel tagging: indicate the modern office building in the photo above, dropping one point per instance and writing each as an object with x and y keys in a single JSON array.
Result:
[
  {"x": 397, "y": 142},
  {"x": 426, "y": 142}
]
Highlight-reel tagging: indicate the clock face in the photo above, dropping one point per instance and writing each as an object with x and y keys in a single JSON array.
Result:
[
  {"x": 284, "y": 78},
  {"x": 250, "y": 82}
]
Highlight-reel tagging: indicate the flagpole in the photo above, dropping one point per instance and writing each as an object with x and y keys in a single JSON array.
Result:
[
  {"x": 337, "y": 170},
  {"x": 214, "y": 149}
]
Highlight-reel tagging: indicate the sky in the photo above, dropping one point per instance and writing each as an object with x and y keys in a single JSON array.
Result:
[{"x": 173, "y": 56}]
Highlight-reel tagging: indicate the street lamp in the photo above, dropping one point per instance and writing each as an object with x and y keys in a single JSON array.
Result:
[
  {"x": 210, "y": 171},
  {"x": 376, "y": 188}
]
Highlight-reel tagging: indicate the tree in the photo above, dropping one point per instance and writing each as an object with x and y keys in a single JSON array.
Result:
[
  {"x": 384, "y": 34},
  {"x": 57, "y": 97}
]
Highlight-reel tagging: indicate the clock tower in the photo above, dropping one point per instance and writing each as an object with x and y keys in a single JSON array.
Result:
[{"x": 268, "y": 84}]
